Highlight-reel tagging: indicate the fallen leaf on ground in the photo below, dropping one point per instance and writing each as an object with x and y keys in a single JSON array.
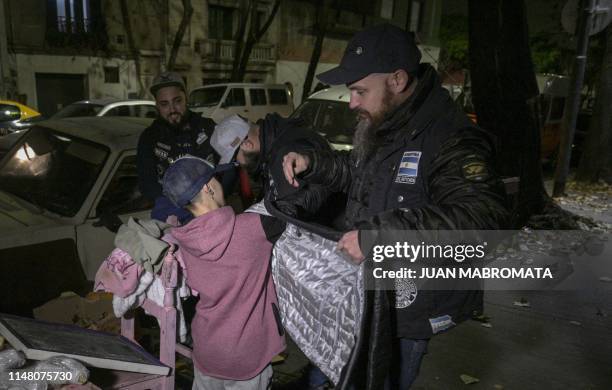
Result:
[
  {"x": 576, "y": 323},
  {"x": 605, "y": 279},
  {"x": 522, "y": 303},
  {"x": 468, "y": 380},
  {"x": 487, "y": 324}
]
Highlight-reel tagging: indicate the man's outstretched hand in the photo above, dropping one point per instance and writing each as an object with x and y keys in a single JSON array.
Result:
[
  {"x": 293, "y": 165},
  {"x": 349, "y": 244}
]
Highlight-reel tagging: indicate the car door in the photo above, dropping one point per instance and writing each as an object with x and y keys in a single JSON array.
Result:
[{"x": 121, "y": 198}]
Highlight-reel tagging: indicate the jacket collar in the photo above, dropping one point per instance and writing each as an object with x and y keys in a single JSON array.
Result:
[{"x": 418, "y": 110}]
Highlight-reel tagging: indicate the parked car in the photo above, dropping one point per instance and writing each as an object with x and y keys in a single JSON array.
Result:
[
  {"x": 16, "y": 117},
  {"x": 328, "y": 112},
  {"x": 251, "y": 100},
  {"x": 108, "y": 107},
  {"x": 65, "y": 185}
]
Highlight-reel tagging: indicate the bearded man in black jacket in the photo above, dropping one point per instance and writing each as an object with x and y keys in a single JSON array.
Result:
[
  {"x": 418, "y": 163},
  {"x": 175, "y": 133}
]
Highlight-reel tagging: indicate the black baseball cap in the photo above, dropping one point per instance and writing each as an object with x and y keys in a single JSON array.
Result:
[
  {"x": 185, "y": 177},
  {"x": 383, "y": 48}
]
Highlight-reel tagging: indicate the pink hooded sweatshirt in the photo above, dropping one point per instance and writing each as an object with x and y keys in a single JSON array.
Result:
[{"x": 227, "y": 256}]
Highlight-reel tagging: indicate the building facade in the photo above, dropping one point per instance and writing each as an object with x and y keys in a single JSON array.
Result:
[{"x": 60, "y": 51}]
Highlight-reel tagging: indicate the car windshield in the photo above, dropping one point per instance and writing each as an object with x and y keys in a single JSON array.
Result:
[
  {"x": 333, "y": 119},
  {"x": 52, "y": 170},
  {"x": 78, "y": 109},
  {"x": 206, "y": 96}
]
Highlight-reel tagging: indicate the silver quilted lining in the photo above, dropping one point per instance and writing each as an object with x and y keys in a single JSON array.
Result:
[
  {"x": 320, "y": 295},
  {"x": 320, "y": 298}
]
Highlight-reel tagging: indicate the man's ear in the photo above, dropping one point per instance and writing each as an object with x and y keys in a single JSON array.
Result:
[{"x": 398, "y": 81}]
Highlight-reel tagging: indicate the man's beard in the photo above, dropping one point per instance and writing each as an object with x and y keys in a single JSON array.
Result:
[
  {"x": 365, "y": 139},
  {"x": 251, "y": 162},
  {"x": 176, "y": 125}
]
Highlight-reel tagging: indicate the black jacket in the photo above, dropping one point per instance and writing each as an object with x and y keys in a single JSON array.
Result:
[
  {"x": 432, "y": 169},
  {"x": 159, "y": 145},
  {"x": 278, "y": 136}
]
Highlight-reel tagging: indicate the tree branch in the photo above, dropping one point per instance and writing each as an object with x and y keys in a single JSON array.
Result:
[
  {"x": 127, "y": 25},
  {"x": 180, "y": 33}
]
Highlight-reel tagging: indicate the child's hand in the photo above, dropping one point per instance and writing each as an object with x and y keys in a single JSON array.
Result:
[{"x": 172, "y": 220}]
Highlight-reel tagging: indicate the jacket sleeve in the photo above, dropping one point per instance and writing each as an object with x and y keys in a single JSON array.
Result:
[
  {"x": 331, "y": 169},
  {"x": 147, "y": 171},
  {"x": 464, "y": 193}
]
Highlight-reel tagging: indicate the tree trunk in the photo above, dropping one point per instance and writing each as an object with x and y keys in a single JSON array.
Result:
[
  {"x": 252, "y": 39},
  {"x": 244, "y": 11},
  {"x": 596, "y": 159},
  {"x": 504, "y": 88},
  {"x": 180, "y": 33},
  {"x": 125, "y": 16},
  {"x": 321, "y": 25}
]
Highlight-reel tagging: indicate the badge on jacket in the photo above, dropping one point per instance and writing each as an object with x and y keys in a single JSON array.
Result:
[
  {"x": 475, "y": 170},
  {"x": 408, "y": 168},
  {"x": 201, "y": 138}
]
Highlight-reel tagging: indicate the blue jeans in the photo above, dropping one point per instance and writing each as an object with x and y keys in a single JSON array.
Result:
[
  {"x": 407, "y": 357},
  {"x": 316, "y": 378}
]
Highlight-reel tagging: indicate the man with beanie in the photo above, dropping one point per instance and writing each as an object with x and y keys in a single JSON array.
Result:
[
  {"x": 418, "y": 163},
  {"x": 176, "y": 132}
]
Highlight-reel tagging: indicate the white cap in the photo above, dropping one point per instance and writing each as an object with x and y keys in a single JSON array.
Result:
[{"x": 228, "y": 136}]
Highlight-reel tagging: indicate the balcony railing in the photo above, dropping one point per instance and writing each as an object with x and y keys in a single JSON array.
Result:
[
  {"x": 223, "y": 51},
  {"x": 73, "y": 25},
  {"x": 81, "y": 33}
]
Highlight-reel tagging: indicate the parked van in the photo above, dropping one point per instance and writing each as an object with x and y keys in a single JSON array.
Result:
[{"x": 250, "y": 100}]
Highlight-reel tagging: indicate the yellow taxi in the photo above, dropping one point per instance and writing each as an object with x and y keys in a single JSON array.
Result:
[{"x": 15, "y": 117}]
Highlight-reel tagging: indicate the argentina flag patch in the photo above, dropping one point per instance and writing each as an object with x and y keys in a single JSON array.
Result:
[{"x": 408, "y": 168}]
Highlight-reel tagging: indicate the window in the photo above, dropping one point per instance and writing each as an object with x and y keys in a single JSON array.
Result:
[
  {"x": 235, "y": 97},
  {"x": 206, "y": 97},
  {"x": 258, "y": 97},
  {"x": 73, "y": 16},
  {"x": 308, "y": 112},
  {"x": 277, "y": 96},
  {"x": 416, "y": 14},
  {"x": 78, "y": 109},
  {"x": 54, "y": 171},
  {"x": 122, "y": 194},
  {"x": 220, "y": 22},
  {"x": 111, "y": 74},
  {"x": 119, "y": 111},
  {"x": 145, "y": 111},
  {"x": 386, "y": 9},
  {"x": 337, "y": 122}
]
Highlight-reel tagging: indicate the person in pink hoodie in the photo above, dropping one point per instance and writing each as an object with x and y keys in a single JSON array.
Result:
[{"x": 236, "y": 329}]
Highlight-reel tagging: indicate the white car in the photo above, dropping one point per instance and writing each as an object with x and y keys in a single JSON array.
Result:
[
  {"x": 327, "y": 111},
  {"x": 64, "y": 186},
  {"x": 108, "y": 107},
  {"x": 250, "y": 100}
]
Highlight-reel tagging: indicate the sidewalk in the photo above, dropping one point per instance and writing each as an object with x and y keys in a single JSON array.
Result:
[{"x": 562, "y": 341}]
